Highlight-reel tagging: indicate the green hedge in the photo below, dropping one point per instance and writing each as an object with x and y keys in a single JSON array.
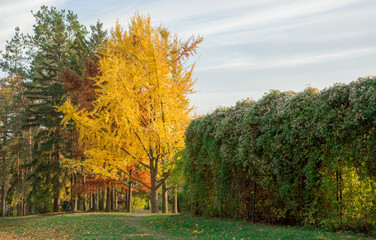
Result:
[{"x": 305, "y": 158}]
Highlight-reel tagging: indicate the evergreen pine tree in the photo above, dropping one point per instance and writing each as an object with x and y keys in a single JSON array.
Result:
[
  {"x": 58, "y": 41},
  {"x": 14, "y": 63}
]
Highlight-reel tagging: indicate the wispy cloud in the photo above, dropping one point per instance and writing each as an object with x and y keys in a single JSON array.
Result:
[
  {"x": 290, "y": 61},
  {"x": 245, "y": 16},
  {"x": 309, "y": 30}
]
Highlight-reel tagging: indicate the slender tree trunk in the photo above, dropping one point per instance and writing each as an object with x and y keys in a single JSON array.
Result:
[
  {"x": 19, "y": 182},
  {"x": 24, "y": 208},
  {"x": 75, "y": 203},
  {"x": 3, "y": 201},
  {"x": 112, "y": 199},
  {"x": 115, "y": 200},
  {"x": 95, "y": 206},
  {"x": 129, "y": 198},
  {"x": 175, "y": 202},
  {"x": 164, "y": 198},
  {"x": 3, "y": 192},
  {"x": 57, "y": 190},
  {"x": 84, "y": 201},
  {"x": 78, "y": 203},
  {"x": 101, "y": 202},
  {"x": 153, "y": 183},
  {"x": 108, "y": 200},
  {"x": 19, "y": 207},
  {"x": 3, "y": 204},
  {"x": 73, "y": 199},
  {"x": 57, "y": 197}
]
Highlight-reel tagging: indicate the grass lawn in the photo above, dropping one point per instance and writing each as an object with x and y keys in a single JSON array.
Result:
[{"x": 146, "y": 226}]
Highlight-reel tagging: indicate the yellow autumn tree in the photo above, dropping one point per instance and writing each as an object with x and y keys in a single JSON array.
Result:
[{"x": 142, "y": 109}]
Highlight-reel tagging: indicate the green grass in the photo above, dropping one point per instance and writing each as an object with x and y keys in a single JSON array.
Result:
[{"x": 147, "y": 226}]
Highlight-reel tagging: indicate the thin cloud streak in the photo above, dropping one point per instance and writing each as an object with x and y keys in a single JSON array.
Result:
[
  {"x": 291, "y": 61},
  {"x": 293, "y": 30},
  {"x": 267, "y": 15}
]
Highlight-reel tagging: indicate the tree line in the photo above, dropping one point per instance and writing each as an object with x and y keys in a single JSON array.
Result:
[
  {"x": 291, "y": 157},
  {"x": 88, "y": 118}
]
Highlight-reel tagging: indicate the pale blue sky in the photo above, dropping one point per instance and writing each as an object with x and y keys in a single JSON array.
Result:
[{"x": 250, "y": 46}]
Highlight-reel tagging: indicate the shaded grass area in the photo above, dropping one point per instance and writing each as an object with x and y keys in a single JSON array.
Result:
[{"x": 147, "y": 226}]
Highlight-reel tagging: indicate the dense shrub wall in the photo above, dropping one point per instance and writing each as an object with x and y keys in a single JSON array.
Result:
[{"x": 299, "y": 158}]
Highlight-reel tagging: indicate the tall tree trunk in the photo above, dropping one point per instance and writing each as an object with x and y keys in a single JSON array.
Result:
[
  {"x": 57, "y": 197},
  {"x": 19, "y": 182},
  {"x": 18, "y": 207},
  {"x": 164, "y": 198},
  {"x": 115, "y": 200},
  {"x": 95, "y": 206},
  {"x": 73, "y": 198},
  {"x": 101, "y": 202},
  {"x": 175, "y": 202},
  {"x": 84, "y": 201},
  {"x": 75, "y": 203},
  {"x": 112, "y": 199},
  {"x": 56, "y": 156},
  {"x": 79, "y": 203},
  {"x": 108, "y": 200},
  {"x": 154, "y": 201},
  {"x": 153, "y": 183},
  {"x": 3, "y": 191},
  {"x": 24, "y": 208},
  {"x": 129, "y": 198},
  {"x": 90, "y": 201},
  {"x": 3, "y": 204}
]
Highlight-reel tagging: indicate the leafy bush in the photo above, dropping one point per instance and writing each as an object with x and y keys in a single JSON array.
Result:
[{"x": 294, "y": 158}]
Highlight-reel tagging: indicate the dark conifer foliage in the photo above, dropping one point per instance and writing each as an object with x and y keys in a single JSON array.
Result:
[
  {"x": 14, "y": 147},
  {"x": 58, "y": 40},
  {"x": 55, "y": 61}
]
